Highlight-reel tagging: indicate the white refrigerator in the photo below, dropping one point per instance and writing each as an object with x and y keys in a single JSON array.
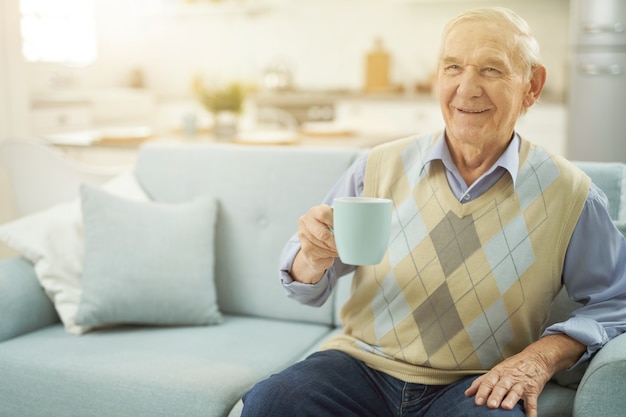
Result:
[{"x": 597, "y": 81}]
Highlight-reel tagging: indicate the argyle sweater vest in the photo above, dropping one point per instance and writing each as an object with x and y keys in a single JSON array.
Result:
[{"x": 462, "y": 286}]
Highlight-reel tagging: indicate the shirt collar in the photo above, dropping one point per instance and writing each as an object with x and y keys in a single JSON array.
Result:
[{"x": 509, "y": 160}]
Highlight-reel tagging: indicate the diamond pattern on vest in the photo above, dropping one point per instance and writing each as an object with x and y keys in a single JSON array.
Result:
[
  {"x": 438, "y": 320},
  {"x": 462, "y": 285},
  {"x": 455, "y": 239}
]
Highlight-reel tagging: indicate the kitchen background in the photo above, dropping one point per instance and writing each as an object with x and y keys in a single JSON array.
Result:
[
  {"x": 304, "y": 56},
  {"x": 322, "y": 41}
]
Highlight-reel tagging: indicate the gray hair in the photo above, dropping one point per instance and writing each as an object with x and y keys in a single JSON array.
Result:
[{"x": 516, "y": 28}]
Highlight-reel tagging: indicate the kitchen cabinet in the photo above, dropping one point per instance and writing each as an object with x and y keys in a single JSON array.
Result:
[
  {"x": 390, "y": 116},
  {"x": 67, "y": 111},
  {"x": 62, "y": 118}
]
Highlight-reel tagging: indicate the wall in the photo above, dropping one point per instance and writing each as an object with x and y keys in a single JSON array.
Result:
[
  {"x": 324, "y": 41},
  {"x": 13, "y": 89}
]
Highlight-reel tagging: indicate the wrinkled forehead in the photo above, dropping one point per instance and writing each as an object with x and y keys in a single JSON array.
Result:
[{"x": 481, "y": 38}]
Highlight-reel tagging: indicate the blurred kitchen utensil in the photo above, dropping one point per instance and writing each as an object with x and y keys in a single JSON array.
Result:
[{"x": 278, "y": 77}]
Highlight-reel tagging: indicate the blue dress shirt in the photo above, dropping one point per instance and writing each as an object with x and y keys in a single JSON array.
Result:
[{"x": 594, "y": 271}]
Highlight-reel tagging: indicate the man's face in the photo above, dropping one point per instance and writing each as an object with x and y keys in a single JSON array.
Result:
[{"x": 480, "y": 84}]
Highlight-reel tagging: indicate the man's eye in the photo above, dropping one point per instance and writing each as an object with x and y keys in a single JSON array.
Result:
[{"x": 492, "y": 71}]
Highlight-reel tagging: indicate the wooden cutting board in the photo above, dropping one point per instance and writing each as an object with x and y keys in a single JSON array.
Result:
[{"x": 377, "y": 63}]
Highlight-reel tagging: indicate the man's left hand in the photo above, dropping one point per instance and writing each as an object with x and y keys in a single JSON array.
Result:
[{"x": 523, "y": 376}]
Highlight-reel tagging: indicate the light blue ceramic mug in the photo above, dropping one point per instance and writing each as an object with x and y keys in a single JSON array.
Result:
[{"x": 361, "y": 227}]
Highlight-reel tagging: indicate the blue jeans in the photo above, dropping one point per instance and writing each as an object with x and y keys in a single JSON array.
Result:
[{"x": 331, "y": 383}]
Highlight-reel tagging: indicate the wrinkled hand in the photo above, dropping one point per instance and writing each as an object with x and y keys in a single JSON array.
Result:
[
  {"x": 523, "y": 376},
  {"x": 318, "y": 250},
  {"x": 520, "y": 377}
]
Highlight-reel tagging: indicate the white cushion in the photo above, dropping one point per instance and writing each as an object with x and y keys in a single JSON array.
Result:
[{"x": 53, "y": 241}]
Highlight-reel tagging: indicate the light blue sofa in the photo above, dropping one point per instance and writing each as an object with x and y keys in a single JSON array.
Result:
[{"x": 203, "y": 371}]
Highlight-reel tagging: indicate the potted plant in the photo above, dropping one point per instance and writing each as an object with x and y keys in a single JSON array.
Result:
[{"x": 225, "y": 104}]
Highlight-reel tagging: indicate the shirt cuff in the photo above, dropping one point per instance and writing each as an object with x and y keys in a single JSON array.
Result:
[
  {"x": 309, "y": 294},
  {"x": 583, "y": 329}
]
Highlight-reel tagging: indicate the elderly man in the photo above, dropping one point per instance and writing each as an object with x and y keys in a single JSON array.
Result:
[{"x": 487, "y": 227}]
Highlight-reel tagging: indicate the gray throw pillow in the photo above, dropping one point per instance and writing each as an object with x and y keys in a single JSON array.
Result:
[{"x": 146, "y": 262}]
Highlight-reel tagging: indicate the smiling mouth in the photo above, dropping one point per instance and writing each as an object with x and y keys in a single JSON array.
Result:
[{"x": 470, "y": 111}]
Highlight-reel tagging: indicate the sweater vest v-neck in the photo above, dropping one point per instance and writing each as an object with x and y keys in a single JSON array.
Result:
[{"x": 462, "y": 286}]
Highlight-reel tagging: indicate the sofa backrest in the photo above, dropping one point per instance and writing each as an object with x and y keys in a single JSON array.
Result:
[
  {"x": 611, "y": 178},
  {"x": 261, "y": 193}
]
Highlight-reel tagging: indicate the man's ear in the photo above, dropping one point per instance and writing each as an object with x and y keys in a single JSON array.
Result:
[{"x": 538, "y": 77}]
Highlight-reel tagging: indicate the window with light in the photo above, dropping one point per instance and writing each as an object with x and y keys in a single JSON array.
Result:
[{"x": 62, "y": 31}]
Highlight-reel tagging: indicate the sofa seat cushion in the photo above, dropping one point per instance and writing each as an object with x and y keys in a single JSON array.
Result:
[
  {"x": 146, "y": 371},
  {"x": 555, "y": 400}
]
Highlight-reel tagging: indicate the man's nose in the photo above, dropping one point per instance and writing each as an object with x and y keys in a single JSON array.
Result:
[{"x": 470, "y": 83}]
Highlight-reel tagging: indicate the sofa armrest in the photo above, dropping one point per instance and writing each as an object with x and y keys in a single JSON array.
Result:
[
  {"x": 601, "y": 390},
  {"x": 24, "y": 306}
]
